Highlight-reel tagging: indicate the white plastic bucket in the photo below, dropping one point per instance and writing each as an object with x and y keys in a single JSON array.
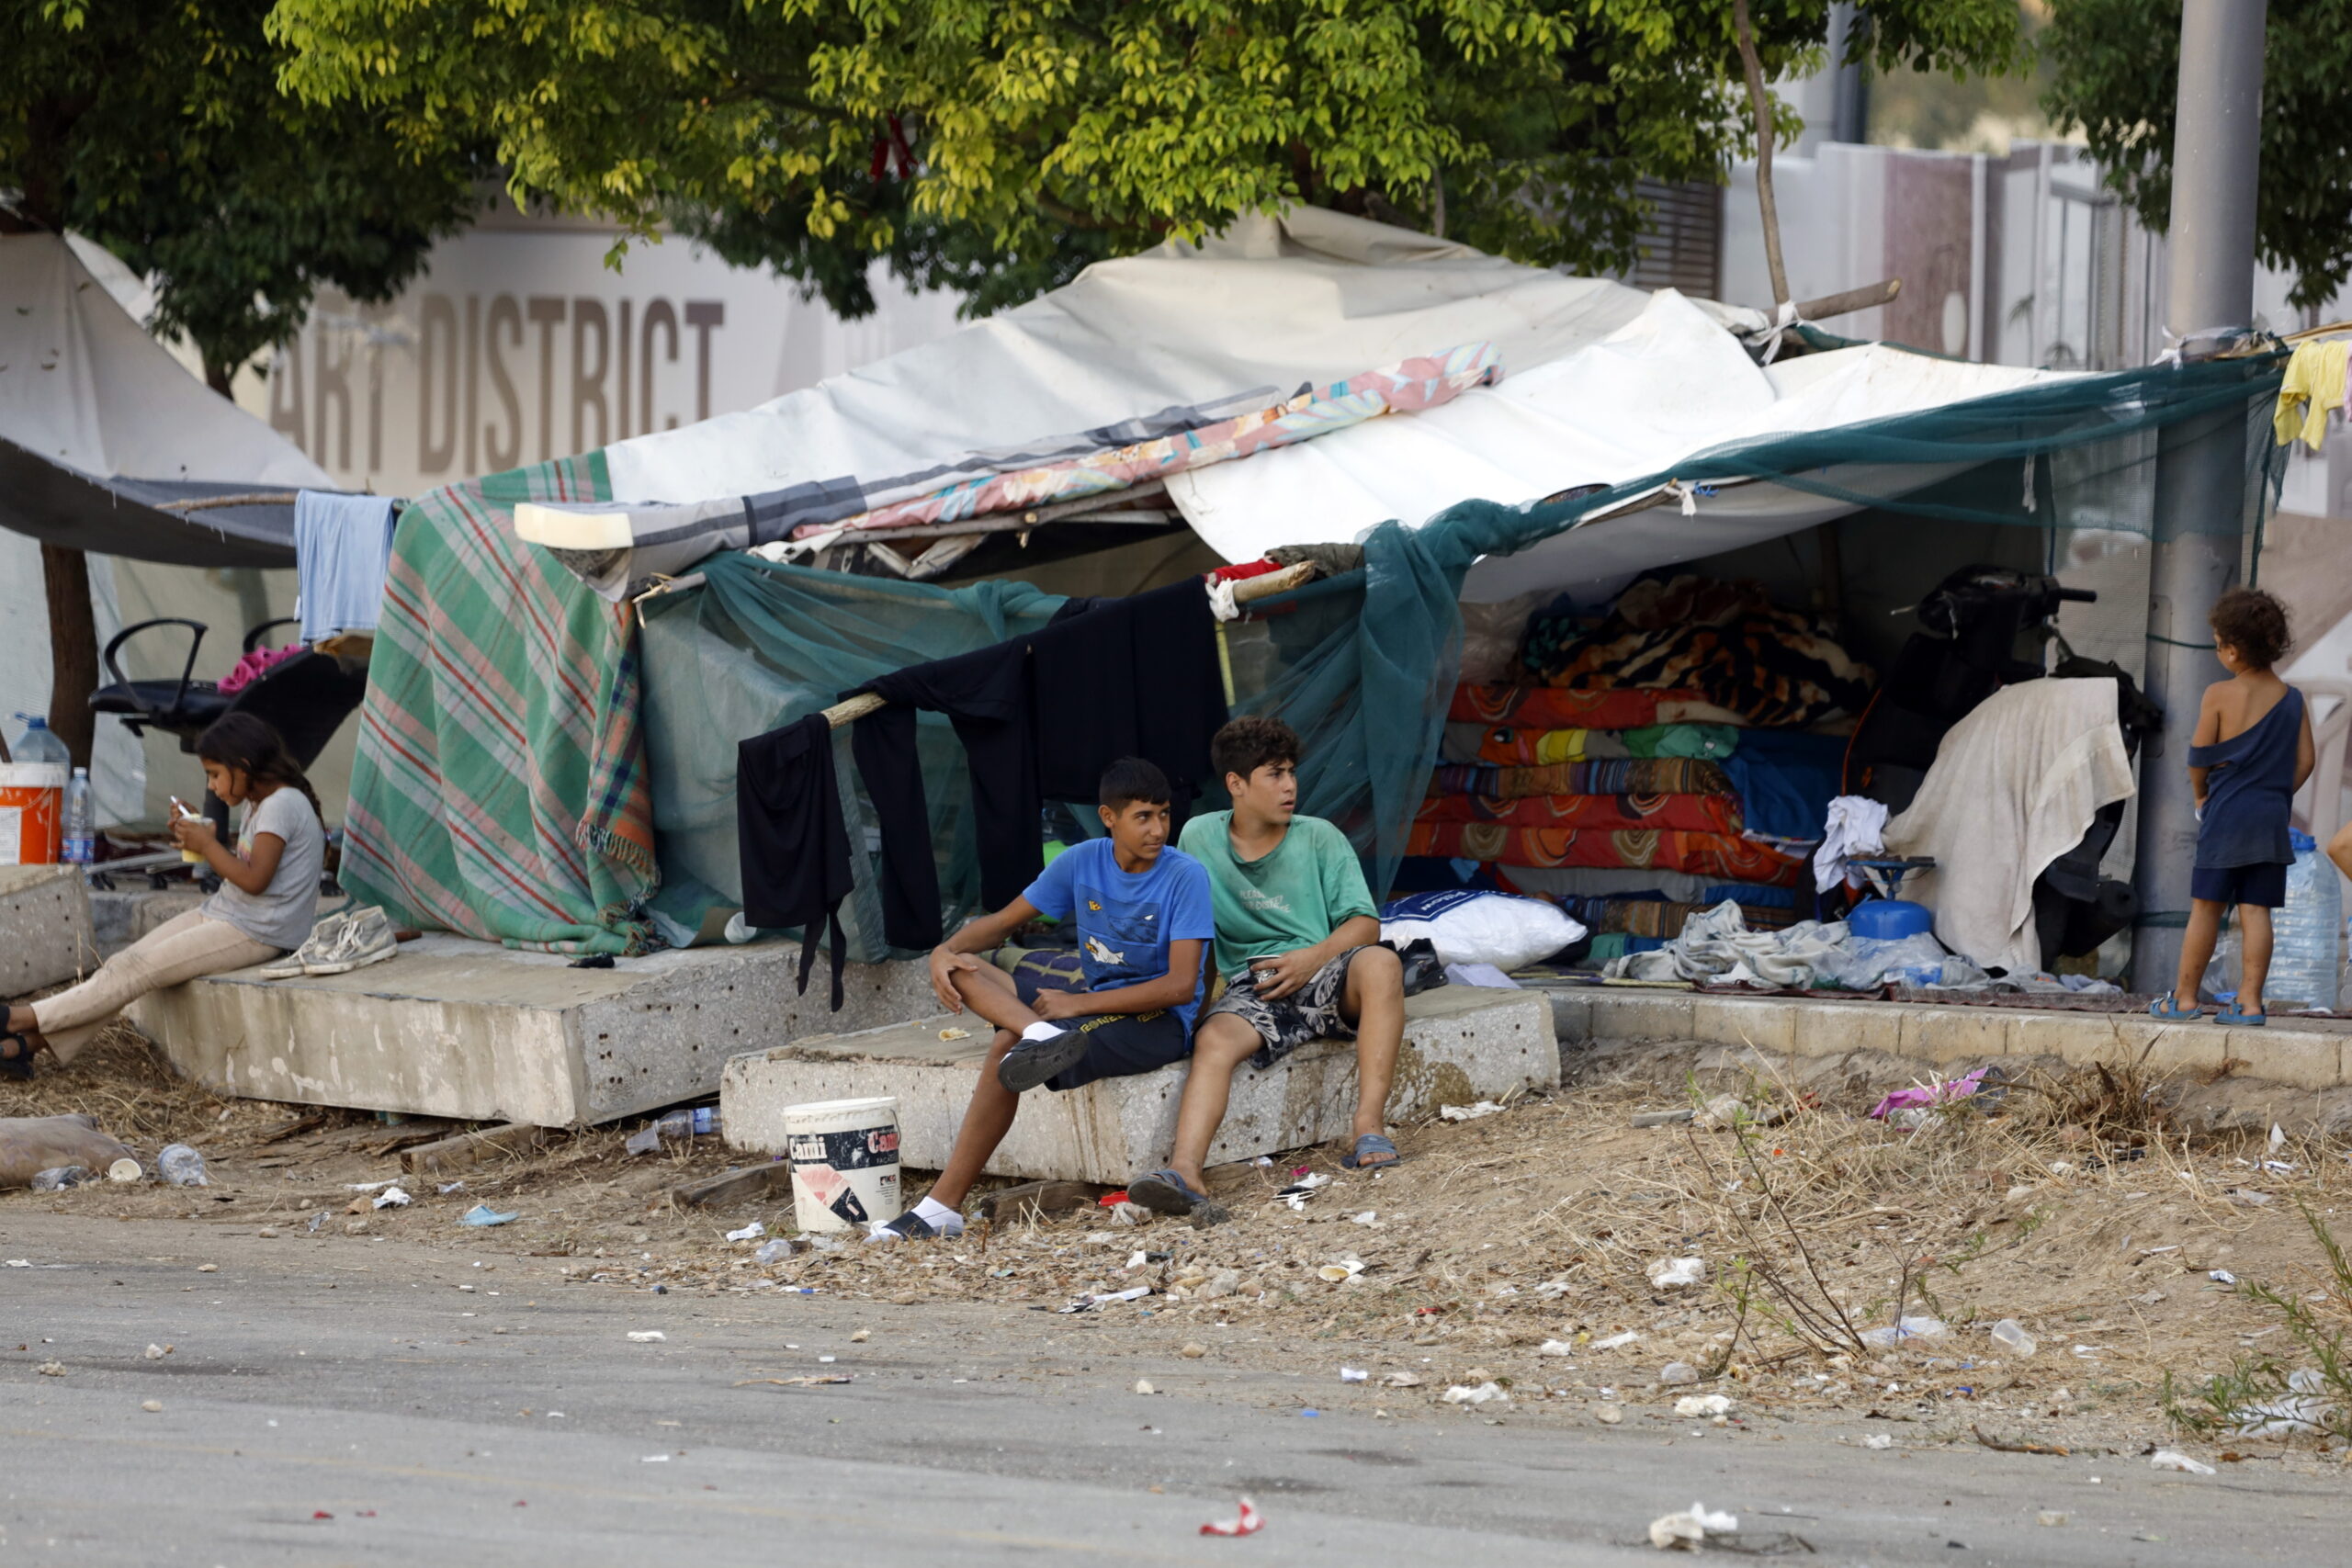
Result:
[{"x": 845, "y": 1157}]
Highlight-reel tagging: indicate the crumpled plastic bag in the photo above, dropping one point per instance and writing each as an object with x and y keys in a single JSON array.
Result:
[
  {"x": 30, "y": 1144},
  {"x": 1717, "y": 948}
]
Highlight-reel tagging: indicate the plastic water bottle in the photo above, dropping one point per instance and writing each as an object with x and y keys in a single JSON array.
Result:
[
  {"x": 181, "y": 1166},
  {"x": 81, "y": 821},
  {"x": 2303, "y": 953},
  {"x": 699, "y": 1122},
  {"x": 33, "y": 790},
  {"x": 58, "y": 1177}
]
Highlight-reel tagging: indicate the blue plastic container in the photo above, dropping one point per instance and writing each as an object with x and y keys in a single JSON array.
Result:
[{"x": 1888, "y": 920}]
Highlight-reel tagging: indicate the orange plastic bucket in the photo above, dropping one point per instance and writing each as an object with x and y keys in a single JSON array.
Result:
[{"x": 32, "y": 813}]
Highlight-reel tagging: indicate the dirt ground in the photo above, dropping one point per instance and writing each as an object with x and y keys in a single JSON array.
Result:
[{"x": 1517, "y": 1248}]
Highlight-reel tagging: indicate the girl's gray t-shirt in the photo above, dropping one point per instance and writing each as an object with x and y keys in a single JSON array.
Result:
[{"x": 282, "y": 913}]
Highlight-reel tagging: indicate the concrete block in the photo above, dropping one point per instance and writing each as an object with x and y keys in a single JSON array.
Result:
[
  {"x": 2300, "y": 1058},
  {"x": 1631, "y": 1013},
  {"x": 1756, "y": 1022},
  {"x": 1571, "y": 1016},
  {"x": 45, "y": 935},
  {"x": 1953, "y": 1036},
  {"x": 1462, "y": 1044},
  {"x": 2169, "y": 1047},
  {"x": 476, "y": 1032},
  {"x": 1835, "y": 1029}
]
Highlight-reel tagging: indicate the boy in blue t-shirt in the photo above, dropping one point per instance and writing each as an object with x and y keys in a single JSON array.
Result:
[{"x": 1141, "y": 913}]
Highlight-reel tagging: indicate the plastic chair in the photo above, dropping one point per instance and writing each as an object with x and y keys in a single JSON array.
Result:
[{"x": 305, "y": 698}]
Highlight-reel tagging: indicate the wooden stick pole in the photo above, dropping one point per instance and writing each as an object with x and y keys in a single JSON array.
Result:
[
  {"x": 206, "y": 503},
  {"x": 851, "y": 710},
  {"x": 1760, "y": 101}
]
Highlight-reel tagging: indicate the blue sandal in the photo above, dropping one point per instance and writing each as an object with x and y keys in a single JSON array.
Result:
[
  {"x": 2243, "y": 1020},
  {"x": 1373, "y": 1144},
  {"x": 1165, "y": 1192},
  {"x": 2167, "y": 1007}
]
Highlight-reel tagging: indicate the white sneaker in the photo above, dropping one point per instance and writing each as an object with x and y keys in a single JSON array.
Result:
[
  {"x": 314, "y": 948},
  {"x": 365, "y": 937}
]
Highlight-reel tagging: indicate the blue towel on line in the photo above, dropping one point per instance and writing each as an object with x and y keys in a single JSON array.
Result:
[{"x": 342, "y": 545}]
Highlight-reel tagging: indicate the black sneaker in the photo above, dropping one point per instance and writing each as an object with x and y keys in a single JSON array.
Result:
[{"x": 1032, "y": 1061}]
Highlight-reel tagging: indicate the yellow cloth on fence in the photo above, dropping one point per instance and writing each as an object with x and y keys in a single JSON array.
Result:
[{"x": 2314, "y": 385}]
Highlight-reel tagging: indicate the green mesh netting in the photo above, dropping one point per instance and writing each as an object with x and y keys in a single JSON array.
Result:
[{"x": 1364, "y": 664}]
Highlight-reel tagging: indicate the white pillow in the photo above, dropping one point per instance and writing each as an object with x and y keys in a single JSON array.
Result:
[{"x": 1473, "y": 926}]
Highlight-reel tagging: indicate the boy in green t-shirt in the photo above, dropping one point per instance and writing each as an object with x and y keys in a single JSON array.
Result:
[{"x": 1298, "y": 943}]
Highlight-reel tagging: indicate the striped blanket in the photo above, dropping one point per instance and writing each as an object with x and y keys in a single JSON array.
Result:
[
  {"x": 1617, "y": 776},
  {"x": 499, "y": 790},
  {"x": 1549, "y": 707},
  {"x": 1723, "y": 855},
  {"x": 1695, "y": 813}
]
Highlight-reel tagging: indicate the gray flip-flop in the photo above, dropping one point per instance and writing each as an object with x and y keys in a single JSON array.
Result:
[{"x": 1376, "y": 1144}]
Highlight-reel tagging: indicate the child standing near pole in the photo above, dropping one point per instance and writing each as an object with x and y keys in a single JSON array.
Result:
[{"x": 2251, "y": 753}]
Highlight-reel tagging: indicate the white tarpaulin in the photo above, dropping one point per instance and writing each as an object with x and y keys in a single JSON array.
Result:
[
  {"x": 1670, "y": 383},
  {"x": 1272, "y": 304}
]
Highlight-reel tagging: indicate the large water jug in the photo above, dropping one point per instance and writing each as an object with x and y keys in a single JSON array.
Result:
[
  {"x": 32, "y": 794},
  {"x": 2302, "y": 953}
]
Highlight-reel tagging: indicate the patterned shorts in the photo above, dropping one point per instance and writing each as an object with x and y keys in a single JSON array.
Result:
[{"x": 1285, "y": 1023}]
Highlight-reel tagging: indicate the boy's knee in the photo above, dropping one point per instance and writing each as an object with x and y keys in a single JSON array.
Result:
[
  {"x": 1378, "y": 971},
  {"x": 1225, "y": 1038}
]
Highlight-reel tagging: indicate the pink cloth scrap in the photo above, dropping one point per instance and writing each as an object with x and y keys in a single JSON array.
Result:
[
  {"x": 256, "y": 664},
  {"x": 1942, "y": 1092}
]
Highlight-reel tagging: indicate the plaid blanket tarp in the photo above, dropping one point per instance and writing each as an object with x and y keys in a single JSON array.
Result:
[{"x": 499, "y": 789}]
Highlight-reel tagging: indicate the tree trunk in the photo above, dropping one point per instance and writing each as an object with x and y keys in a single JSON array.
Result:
[
  {"x": 220, "y": 378},
  {"x": 73, "y": 648}
]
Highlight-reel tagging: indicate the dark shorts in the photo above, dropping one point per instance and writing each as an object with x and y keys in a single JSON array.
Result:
[
  {"x": 2264, "y": 884},
  {"x": 1283, "y": 1024},
  {"x": 1119, "y": 1045}
]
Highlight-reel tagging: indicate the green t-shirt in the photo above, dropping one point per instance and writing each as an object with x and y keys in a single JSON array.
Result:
[{"x": 1292, "y": 898}]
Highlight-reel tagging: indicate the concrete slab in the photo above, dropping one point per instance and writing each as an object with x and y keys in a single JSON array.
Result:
[
  {"x": 2306, "y": 1054},
  {"x": 45, "y": 937},
  {"x": 1462, "y": 1044},
  {"x": 482, "y": 1032}
]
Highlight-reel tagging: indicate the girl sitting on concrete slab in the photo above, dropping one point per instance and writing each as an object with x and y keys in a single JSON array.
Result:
[
  {"x": 1142, "y": 916},
  {"x": 269, "y": 896},
  {"x": 2251, "y": 753}
]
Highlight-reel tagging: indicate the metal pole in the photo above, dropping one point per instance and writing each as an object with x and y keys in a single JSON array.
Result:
[{"x": 2201, "y": 464}]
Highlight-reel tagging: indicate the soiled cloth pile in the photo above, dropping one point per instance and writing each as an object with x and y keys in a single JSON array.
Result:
[
  {"x": 2013, "y": 786},
  {"x": 1717, "y": 948}
]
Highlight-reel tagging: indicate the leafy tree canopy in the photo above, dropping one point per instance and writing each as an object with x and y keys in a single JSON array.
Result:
[
  {"x": 2118, "y": 75},
  {"x": 997, "y": 146},
  {"x": 158, "y": 129}
]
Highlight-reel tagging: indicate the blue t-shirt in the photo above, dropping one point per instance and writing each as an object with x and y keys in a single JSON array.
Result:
[{"x": 1126, "y": 919}]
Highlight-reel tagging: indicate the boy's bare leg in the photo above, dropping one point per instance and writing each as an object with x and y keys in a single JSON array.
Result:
[
  {"x": 2339, "y": 849},
  {"x": 2196, "y": 949},
  {"x": 1221, "y": 1044},
  {"x": 988, "y": 992},
  {"x": 1373, "y": 1002},
  {"x": 2254, "y": 960}
]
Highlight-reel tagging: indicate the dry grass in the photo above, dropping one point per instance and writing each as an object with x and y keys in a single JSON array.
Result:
[{"x": 124, "y": 1083}]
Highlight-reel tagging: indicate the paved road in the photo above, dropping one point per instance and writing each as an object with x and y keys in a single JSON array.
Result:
[{"x": 358, "y": 1380}]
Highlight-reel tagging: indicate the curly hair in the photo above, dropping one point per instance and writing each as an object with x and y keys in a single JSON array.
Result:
[
  {"x": 1245, "y": 744},
  {"x": 2254, "y": 623}
]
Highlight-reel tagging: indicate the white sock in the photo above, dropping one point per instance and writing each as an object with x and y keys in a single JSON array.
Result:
[
  {"x": 1041, "y": 1030},
  {"x": 940, "y": 1217}
]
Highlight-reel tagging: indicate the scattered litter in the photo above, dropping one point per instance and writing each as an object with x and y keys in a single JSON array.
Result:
[
  {"x": 181, "y": 1166},
  {"x": 1724, "y": 1110},
  {"x": 483, "y": 1214},
  {"x": 1469, "y": 1112},
  {"x": 392, "y": 1198},
  {"x": 1902, "y": 1329},
  {"x": 813, "y": 1381},
  {"x": 2049, "y": 1517},
  {"x": 125, "y": 1171},
  {"x": 2221, "y": 1276},
  {"x": 153, "y": 1406},
  {"x": 1934, "y": 1092},
  {"x": 1662, "y": 1118},
  {"x": 1486, "y": 1392},
  {"x": 2247, "y": 1197},
  {"x": 646, "y": 1139},
  {"x": 1125, "y": 1213},
  {"x": 1135, "y": 1261},
  {"x": 1702, "y": 1405},
  {"x": 2173, "y": 1458},
  {"x": 1355, "y": 1374},
  {"x": 1295, "y": 1194},
  {"x": 1609, "y": 1415},
  {"x": 1310, "y": 1412},
  {"x": 1616, "y": 1341},
  {"x": 58, "y": 1177},
  {"x": 2089, "y": 1352},
  {"x": 1555, "y": 1348},
  {"x": 1678, "y": 1372},
  {"x": 1340, "y": 1273},
  {"x": 1248, "y": 1521},
  {"x": 20, "y": 1263},
  {"x": 1099, "y": 1300},
  {"x": 646, "y": 1336},
  {"x": 1194, "y": 1352},
  {"x": 207, "y": 1268},
  {"x": 1689, "y": 1532},
  {"x": 1674, "y": 1273},
  {"x": 449, "y": 1187},
  {"x": 655, "y": 1459},
  {"x": 156, "y": 1352},
  {"x": 1878, "y": 1440},
  {"x": 1142, "y": 1385},
  {"x": 779, "y": 1249},
  {"x": 316, "y": 1220},
  {"x": 2306, "y": 1409},
  {"x": 368, "y": 1186},
  {"x": 952, "y": 1033},
  {"x": 1401, "y": 1379},
  {"x": 751, "y": 1232},
  {"x": 51, "y": 1369},
  {"x": 2011, "y": 1333},
  {"x": 1264, "y": 1162},
  {"x": 1369, "y": 1217},
  {"x": 861, "y": 1336}
]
